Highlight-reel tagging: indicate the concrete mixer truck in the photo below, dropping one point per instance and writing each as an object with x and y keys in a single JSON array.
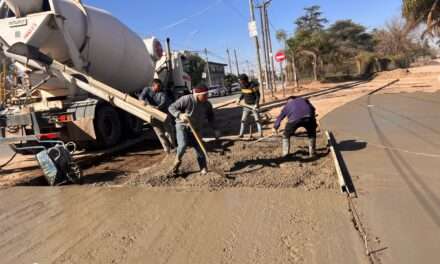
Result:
[{"x": 73, "y": 74}]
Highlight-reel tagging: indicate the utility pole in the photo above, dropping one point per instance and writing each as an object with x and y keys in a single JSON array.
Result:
[
  {"x": 265, "y": 49},
  {"x": 253, "y": 23},
  {"x": 236, "y": 62},
  {"x": 248, "y": 68},
  {"x": 270, "y": 50},
  {"x": 229, "y": 61},
  {"x": 207, "y": 67}
]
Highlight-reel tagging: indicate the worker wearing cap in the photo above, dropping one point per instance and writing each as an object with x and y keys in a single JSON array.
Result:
[
  {"x": 300, "y": 113},
  {"x": 251, "y": 97},
  {"x": 195, "y": 110},
  {"x": 156, "y": 97}
]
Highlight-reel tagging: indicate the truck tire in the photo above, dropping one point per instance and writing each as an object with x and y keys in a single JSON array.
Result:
[
  {"x": 108, "y": 126},
  {"x": 133, "y": 126}
]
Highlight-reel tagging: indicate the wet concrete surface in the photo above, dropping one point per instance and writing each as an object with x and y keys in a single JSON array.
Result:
[
  {"x": 391, "y": 145},
  {"x": 157, "y": 225},
  {"x": 5, "y": 153}
]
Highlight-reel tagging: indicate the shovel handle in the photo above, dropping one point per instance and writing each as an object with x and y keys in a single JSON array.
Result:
[{"x": 199, "y": 140}]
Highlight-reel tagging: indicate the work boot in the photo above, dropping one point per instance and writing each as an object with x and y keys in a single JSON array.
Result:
[
  {"x": 312, "y": 147},
  {"x": 286, "y": 147},
  {"x": 241, "y": 131},
  {"x": 176, "y": 166},
  {"x": 260, "y": 129}
]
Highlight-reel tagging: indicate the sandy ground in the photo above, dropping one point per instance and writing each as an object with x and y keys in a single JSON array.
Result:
[{"x": 268, "y": 210}]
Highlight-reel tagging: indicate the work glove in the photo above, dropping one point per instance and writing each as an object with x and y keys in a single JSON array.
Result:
[
  {"x": 238, "y": 102},
  {"x": 256, "y": 107},
  {"x": 183, "y": 117},
  {"x": 275, "y": 131}
]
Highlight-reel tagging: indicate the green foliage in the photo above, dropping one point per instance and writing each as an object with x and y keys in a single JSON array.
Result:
[
  {"x": 230, "y": 79},
  {"x": 422, "y": 11},
  {"x": 281, "y": 36},
  {"x": 312, "y": 21},
  {"x": 195, "y": 66},
  {"x": 347, "y": 39},
  {"x": 347, "y": 48}
]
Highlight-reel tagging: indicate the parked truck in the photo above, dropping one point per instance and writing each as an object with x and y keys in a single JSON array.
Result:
[{"x": 73, "y": 74}]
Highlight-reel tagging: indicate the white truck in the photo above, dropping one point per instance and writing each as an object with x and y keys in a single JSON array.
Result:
[{"x": 74, "y": 72}]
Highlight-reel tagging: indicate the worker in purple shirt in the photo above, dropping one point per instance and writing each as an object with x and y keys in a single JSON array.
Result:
[{"x": 300, "y": 113}]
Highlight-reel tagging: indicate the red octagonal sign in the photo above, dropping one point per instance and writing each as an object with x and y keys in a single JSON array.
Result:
[{"x": 280, "y": 56}]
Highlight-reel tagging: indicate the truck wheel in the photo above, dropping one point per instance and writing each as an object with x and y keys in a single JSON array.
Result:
[
  {"x": 133, "y": 126},
  {"x": 107, "y": 126}
]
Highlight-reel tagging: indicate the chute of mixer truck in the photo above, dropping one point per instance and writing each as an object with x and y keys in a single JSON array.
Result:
[{"x": 99, "y": 65}]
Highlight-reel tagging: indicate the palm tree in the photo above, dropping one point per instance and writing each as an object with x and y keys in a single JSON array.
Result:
[
  {"x": 423, "y": 11},
  {"x": 281, "y": 36}
]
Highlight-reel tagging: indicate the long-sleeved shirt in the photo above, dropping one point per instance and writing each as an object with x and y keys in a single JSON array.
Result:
[
  {"x": 250, "y": 94},
  {"x": 160, "y": 100},
  {"x": 199, "y": 112},
  {"x": 295, "y": 110}
]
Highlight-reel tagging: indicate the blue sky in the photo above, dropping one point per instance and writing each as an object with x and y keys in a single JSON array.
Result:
[{"x": 221, "y": 24}]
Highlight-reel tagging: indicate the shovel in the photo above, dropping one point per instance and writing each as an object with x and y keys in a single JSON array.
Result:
[{"x": 202, "y": 146}]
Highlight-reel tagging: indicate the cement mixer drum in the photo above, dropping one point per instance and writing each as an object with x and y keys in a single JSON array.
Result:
[{"x": 112, "y": 52}]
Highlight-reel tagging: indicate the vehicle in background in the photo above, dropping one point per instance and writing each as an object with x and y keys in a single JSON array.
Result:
[
  {"x": 223, "y": 91},
  {"x": 213, "y": 91},
  {"x": 235, "y": 87},
  {"x": 217, "y": 91}
]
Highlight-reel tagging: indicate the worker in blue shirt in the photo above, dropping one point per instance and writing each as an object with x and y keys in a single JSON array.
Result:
[
  {"x": 156, "y": 97},
  {"x": 300, "y": 113}
]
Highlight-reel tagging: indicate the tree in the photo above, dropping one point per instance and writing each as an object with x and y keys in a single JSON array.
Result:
[
  {"x": 395, "y": 43},
  {"x": 348, "y": 39},
  {"x": 310, "y": 44},
  {"x": 309, "y": 37},
  {"x": 426, "y": 12},
  {"x": 230, "y": 79},
  {"x": 312, "y": 21},
  {"x": 281, "y": 36},
  {"x": 195, "y": 66}
]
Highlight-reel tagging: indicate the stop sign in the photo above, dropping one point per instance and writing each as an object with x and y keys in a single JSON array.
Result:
[{"x": 280, "y": 56}]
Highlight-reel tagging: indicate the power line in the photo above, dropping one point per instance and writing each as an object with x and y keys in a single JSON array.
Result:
[{"x": 235, "y": 9}]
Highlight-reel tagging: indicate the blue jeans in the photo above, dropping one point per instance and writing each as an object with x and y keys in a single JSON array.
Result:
[
  {"x": 185, "y": 139},
  {"x": 246, "y": 113}
]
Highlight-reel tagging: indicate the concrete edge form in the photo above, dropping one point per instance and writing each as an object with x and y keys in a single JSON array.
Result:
[{"x": 341, "y": 178}]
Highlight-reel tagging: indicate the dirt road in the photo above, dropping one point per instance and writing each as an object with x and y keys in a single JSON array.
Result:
[{"x": 150, "y": 225}]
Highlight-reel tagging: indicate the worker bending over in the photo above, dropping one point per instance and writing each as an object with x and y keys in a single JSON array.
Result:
[
  {"x": 156, "y": 97},
  {"x": 251, "y": 97},
  {"x": 193, "y": 109},
  {"x": 300, "y": 113}
]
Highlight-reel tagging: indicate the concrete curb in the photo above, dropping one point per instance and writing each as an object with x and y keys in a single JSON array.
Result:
[{"x": 341, "y": 177}]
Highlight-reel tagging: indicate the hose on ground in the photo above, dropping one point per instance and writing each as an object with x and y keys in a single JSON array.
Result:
[{"x": 8, "y": 162}]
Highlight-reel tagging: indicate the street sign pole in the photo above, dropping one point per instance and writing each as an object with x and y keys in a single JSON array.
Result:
[
  {"x": 280, "y": 57},
  {"x": 282, "y": 78}
]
